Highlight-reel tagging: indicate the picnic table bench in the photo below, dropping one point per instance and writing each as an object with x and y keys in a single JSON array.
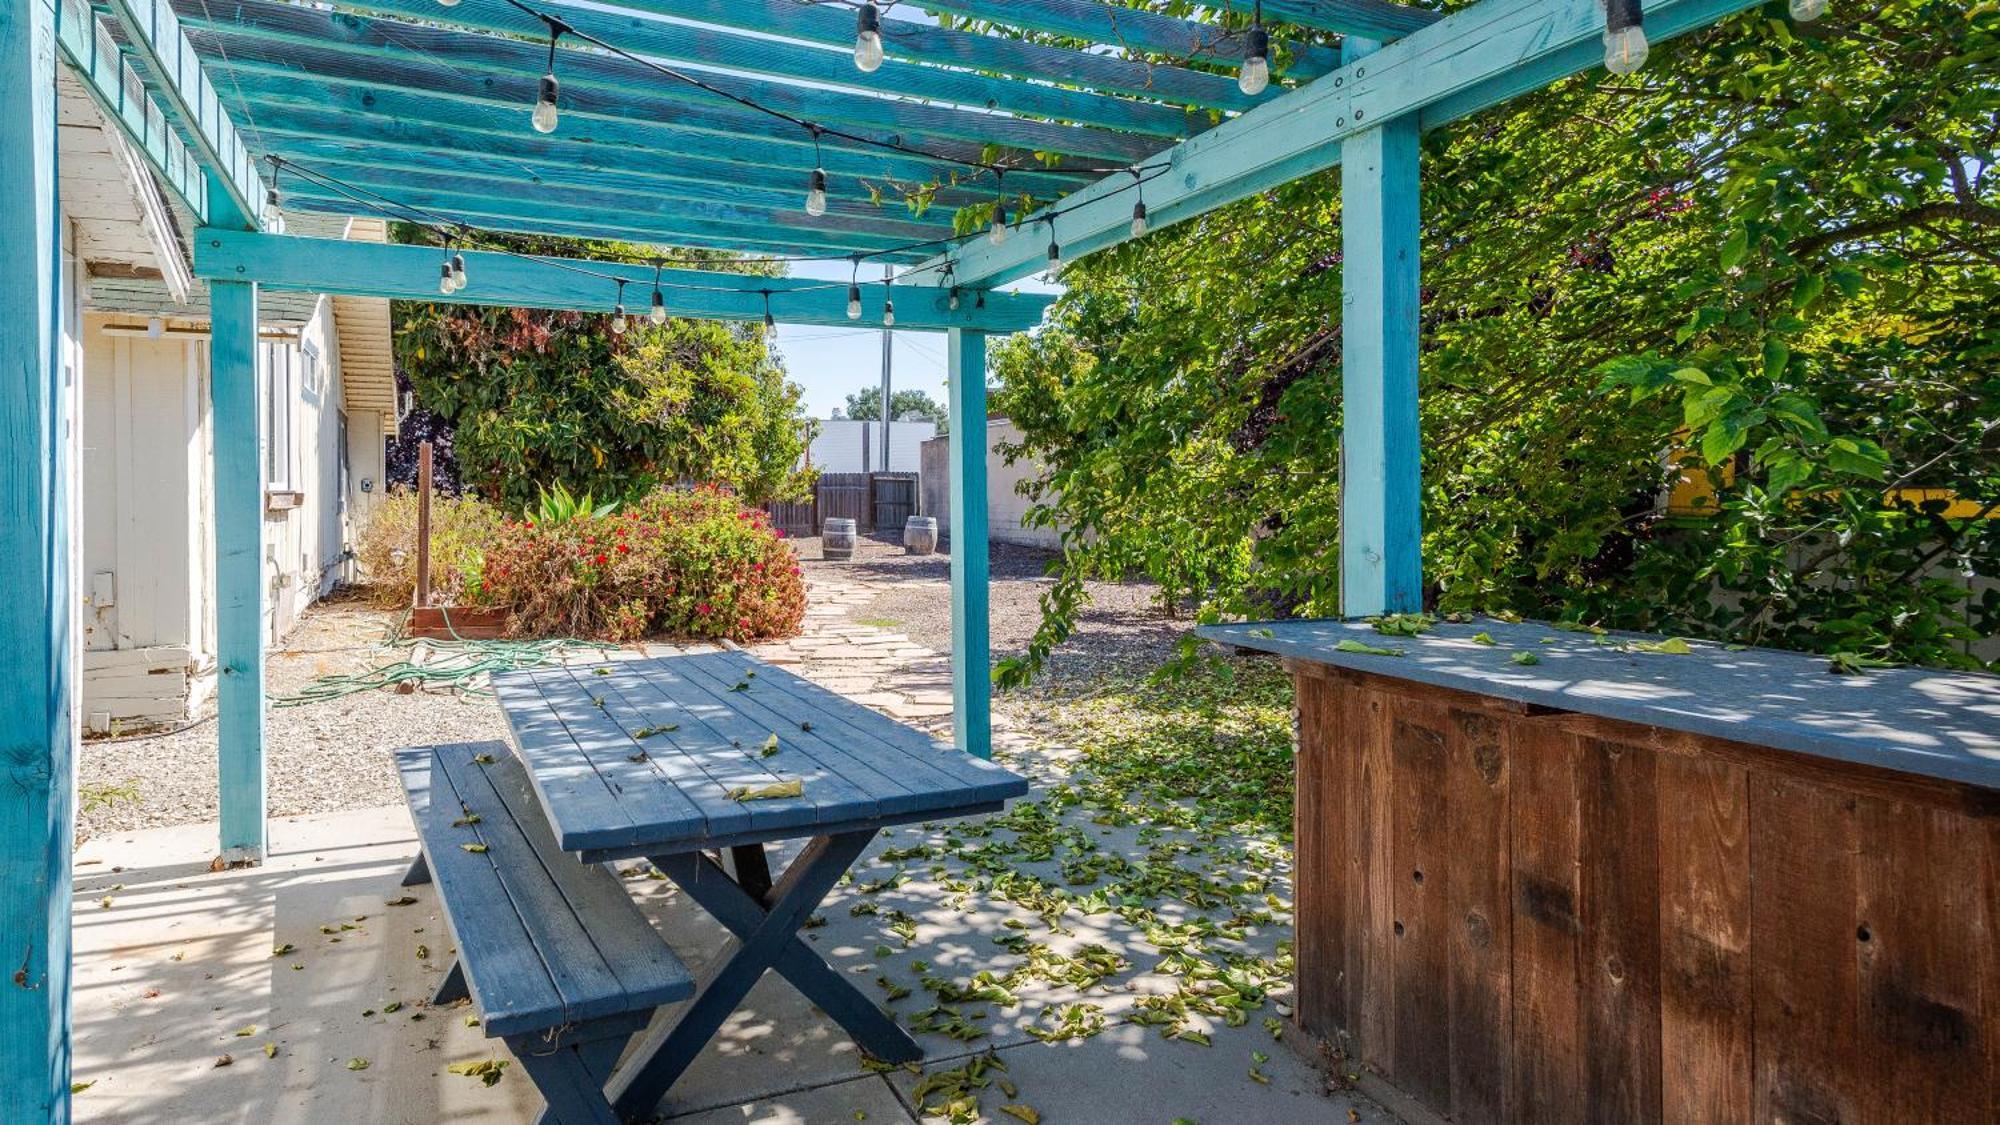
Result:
[{"x": 697, "y": 764}]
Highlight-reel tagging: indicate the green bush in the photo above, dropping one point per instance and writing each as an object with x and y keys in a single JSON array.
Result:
[
  {"x": 460, "y": 530},
  {"x": 685, "y": 563}
]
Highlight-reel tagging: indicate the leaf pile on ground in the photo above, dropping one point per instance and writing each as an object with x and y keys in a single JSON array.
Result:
[{"x": 1165, "y": 818}]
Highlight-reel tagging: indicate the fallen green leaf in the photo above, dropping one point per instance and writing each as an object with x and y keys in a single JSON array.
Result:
[
  {"x": 488, "y": 1071},
  {"x": 1351, "y": 645},
  {"x": 1525, "y": 658},
  {"x": 357, "y": 1064},
  {"x": 774, "y": 791}
]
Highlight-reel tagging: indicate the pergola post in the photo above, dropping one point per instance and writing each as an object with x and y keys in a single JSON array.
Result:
[
  {"x": 971, "y": 677},
  {"x": 237, "y": 392},
  {"x": 37, "y": 720},
  {"x": 1380, "y": 499}
]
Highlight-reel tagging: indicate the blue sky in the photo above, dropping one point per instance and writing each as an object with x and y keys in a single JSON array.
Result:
[{"x": 832, "y": 363}]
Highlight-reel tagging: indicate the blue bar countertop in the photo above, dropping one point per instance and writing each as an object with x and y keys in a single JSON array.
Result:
[{"x": 1929, "y": 722}]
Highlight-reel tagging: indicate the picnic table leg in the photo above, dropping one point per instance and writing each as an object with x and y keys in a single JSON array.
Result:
[
  {"x": 419, "y": 872},
  {"x": 665, "y": 1053},
  {"x": 737, "y": 909},
  {"x": 600, "y": 1057},
  {"x": 452, "y": 988},
  {"x": 750, "y": 869},
  {"x": 575, "y": 1095}
]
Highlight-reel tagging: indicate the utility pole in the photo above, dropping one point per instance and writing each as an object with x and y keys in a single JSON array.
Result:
[{"x": 888, "y": 359}]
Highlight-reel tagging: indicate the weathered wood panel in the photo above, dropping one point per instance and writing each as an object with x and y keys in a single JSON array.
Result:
[
  {"x": 1704, "y": 939},
  {"x": 1519, "y": 914},
  {"x": 1480, "y": 960}
]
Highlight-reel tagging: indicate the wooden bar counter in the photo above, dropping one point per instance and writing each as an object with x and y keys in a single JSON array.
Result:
[{"x": 1614, "y": 885}]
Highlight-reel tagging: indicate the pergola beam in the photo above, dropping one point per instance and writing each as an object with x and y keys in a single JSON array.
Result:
[
  {"x": 1134, "y": 29},
  {"x": 712, "y": 49},
  {"x": 95, "y": 58},
  {"x": 498, "y": 215},
  {"x": 906, "y": 40},
  {"x": 373, "y": 269},
  {"x": 1371, "y": 19},
  {"x": 153, "y": 33},
  {"x": 1476, "y": 57},
  {"x": 447, "y": 129},
  {"x": 360, "y": 48}
]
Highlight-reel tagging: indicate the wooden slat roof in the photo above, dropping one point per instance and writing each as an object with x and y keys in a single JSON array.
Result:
[{"x": 383, "y": 106}]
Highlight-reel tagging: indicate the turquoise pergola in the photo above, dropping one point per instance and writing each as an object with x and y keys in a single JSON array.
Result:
[{"x": 702, "y": 130}]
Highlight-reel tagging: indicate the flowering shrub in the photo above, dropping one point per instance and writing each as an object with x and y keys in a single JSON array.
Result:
[{"x": 692, "y": 563}]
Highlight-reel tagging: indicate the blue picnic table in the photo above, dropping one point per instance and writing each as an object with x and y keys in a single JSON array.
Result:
[{"x": 699, "y": 764}]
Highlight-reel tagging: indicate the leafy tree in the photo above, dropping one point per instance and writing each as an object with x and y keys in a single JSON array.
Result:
[
  {"x": 906, "y": 406},
  {"x": 540, "y": 397},
  {"x": 1767, "y": 262}
]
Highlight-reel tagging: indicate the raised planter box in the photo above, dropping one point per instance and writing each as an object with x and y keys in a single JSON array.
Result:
[{"x": 444, "y": 622}]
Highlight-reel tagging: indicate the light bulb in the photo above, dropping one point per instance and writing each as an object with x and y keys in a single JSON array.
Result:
[
  {"x": 1055, "y": 256},
  {"x": 854, "y": 302},
  {"x": 445, "y": 284},
  {"x": 999, "y": 233},
  {"x": 868, "y": 39},
  {"x": 1625, "y": 49},
  {"x": 1256, "y": 72},
  {"x": 769, "y": 320},
  {"x": 816, "y": 198},
  {"x": 1139, "y": 219},
  {"x": 659, "y": 313},
  {"x": 545, "y": 105},
  {"x": 888, "y": 313},
  {"x": 458, "y": 271},
  {"x": 954, "y": 300},
  {"x": 618, "y": 322},
  {"x": 1806, "y": 11}
]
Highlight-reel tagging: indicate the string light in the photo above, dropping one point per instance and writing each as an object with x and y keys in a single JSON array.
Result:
[
  {"x": 1255, "y": 74},
  {"x": 949, "y": 277},
  {"x": 618, "y": 322},
  {"x": 659, "y": 311},
  {"x": 544, "y": 117},
  {"x": 854, "y": 291},
  {"x": 458, "y": 271},
  {"x": 1055, "y": 248},
  {"x": 868, "y": 38},
  {"x": 770, "y": 321},
  {"x": 445, "y": 285},
  {"x": 816, "y": 196},
  {"x": 1139, "y": 208},
  {"x": 1806, "y": 11},
  {"x": 888, "y": 303},
  {"x": 1625, "y": 45}
]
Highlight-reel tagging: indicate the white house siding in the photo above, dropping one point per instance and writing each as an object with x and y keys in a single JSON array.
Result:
[
  {"x": 841, "y": 443},
  {"x": 1006, "y": 508},
  {"x": 148, "y": 576}
]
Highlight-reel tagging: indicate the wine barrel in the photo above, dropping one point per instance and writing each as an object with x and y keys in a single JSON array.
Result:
[
  {"x": 920, "y": 535},
  {"x": 837, "y": 540}
]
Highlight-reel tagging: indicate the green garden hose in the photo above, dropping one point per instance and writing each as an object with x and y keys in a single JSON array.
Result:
[{"x": 452, "y": 666}]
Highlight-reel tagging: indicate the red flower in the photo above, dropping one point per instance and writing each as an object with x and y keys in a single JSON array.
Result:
[
  {"x": 527, "y": 523},
  {"x": 779, "y": 532},
  {"x": 601, "y": 560},
  {"x": 590, "y": 539},
  {"x": 757, "y": 566},
  {"x": 702, "y": 608},
  {"x": 623, "y": 549}
]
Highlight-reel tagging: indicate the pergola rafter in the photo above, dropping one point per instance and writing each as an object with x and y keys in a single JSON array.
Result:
[{"x": 417, "y": 111}]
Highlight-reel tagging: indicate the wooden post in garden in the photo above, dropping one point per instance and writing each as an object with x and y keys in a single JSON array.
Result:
[{"x": 423, "y": 525}]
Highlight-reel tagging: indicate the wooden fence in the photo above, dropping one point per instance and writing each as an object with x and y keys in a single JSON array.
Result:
[{"x": 871, "y": 500}]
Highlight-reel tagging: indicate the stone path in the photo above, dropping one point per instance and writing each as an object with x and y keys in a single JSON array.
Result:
[{"x": 874, "y": 666}]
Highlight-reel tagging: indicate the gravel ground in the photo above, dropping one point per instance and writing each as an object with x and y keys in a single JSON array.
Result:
[
  {"x": 324, "y": 757},
  {"x": 1122, "y": 622}
]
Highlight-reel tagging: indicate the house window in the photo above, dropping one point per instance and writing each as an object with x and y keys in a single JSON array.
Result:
[{"x": 281, "y": 385}]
